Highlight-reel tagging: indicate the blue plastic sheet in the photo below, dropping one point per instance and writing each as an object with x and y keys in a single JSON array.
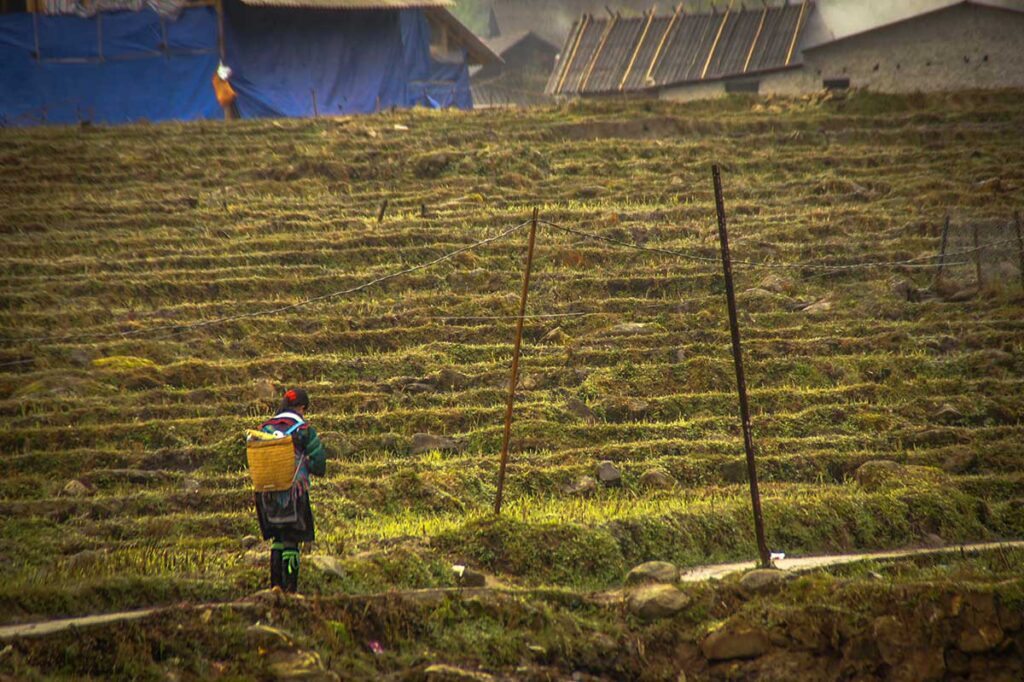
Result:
[
  {"x": 113, "y": 68},
  {"x": 352, "y": 60},
  {"x": 432, "y": 83}
]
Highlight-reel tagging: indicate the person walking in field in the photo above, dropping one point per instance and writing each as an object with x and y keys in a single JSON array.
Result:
[{"x": 286, "y": 518}]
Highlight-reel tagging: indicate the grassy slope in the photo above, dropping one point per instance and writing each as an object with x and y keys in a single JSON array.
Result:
[{"x": 119, "y": 229}]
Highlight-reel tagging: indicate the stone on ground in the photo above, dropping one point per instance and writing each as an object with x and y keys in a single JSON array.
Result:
[
  {"x": 947, "y": 414},
  {"x": 654, "y": 602},
  {"x": 657, "y": 479},
  {"x": 75, "y": 488},
  {"x": 556, "y": 336},
  {"x": 653, "y": 572},
  {"x": 729, "y": 643},
  {"x": 584, "y": 486},
  {"x": 631, "y": 329},
  {"x": 299, "y": 665},
  {"x": 981, "y": 624},
  {"x": 763, "y": 579},
  {"x": 817, "y": 307},
  {"x": 776, "y": 284},
  {"x": 873, "y": 473},
  {"x": 250, "y": 541},
  {"x": 578, "y": 408},
  {"x": 451, "y": 379},
  {"x": 270, "y": 637},
  {"x": 608, "y": 474},
  {"x": 327, "y": 564},
  {"x": 440, "y": 672},
  {"x": 425, "y": 442}
]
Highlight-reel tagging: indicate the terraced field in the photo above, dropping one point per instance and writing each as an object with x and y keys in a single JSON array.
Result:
[{"x": 124, "y": 391}]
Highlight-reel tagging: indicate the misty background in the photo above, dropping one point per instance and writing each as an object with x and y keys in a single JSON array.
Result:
[{"x": 833, "y": 18}]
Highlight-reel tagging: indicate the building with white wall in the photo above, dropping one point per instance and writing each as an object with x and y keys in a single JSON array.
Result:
[{"x": 783, "y": 50}]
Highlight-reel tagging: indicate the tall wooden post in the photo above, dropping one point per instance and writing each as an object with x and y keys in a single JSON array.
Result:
[
  {"x": 219, "y": 6},
  {"x": 514, "y": 378},
  {"x": 737, "y": 354}
]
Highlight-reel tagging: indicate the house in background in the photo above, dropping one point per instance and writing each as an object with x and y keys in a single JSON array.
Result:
[
  {"x": 115, "y": 61},
  {"x": 553, "y": 19},
  {"x": 519, "y": 79},
  {"x": 769, "y": 50},
  {"x": 966, "y": 45}
]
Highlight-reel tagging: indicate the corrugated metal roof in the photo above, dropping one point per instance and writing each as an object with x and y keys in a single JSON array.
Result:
[
  {"x": 350, "y": 4},
  {"x": 617, "y": 54}
]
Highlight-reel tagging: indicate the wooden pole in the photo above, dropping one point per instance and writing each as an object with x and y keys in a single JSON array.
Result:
[
  {"x": 636, "y": 52},
  {"x": 584, "y": 22},
  {"x": 741, "y": 384},
  {"x": 220, "y": 28},
  {"x": 977, "y": 257},
  {"x": 1020, "y": 246},
  {"x": 649, "y": 76},
  {"x": 99, "y": 35},
  {"x": 942, "y": 250},
  {"x": 316, "y": 110},
  {"x": 514, "y": 378},
  {"x": 35, "y": 33},
  {"x": 383, "y": 209},
  {"x": 718, "y": 37}
]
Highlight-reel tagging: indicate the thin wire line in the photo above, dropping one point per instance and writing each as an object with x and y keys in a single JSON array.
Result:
[
  {"x": 632, "y": 245},
  {"x": 506, "y": 317},
  {"x": 910, "y": 262},
  {"x": 176, "y": 328}
]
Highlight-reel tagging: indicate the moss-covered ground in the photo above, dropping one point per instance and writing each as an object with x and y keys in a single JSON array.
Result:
[{"x": 110, "y": 232}]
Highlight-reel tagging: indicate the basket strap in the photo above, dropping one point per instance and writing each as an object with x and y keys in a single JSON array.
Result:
[{"x": 290, "y": 415}]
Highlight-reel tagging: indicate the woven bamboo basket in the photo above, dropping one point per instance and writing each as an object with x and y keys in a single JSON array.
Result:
[{"x": 271, "y": 464}]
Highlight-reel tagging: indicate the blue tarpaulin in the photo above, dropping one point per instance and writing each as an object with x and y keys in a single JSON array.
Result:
[
  {"x": 434, "y": 84},
  {"x": 124, "y": 66},
  {"x": 112, "y": 68},
  {"x": 352, "y": 62}
]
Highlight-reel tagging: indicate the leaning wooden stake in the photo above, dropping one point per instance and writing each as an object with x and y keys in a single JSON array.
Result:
[
  {"x": 514, "y": 379},
  {"x": 737, "y": 354},
  {"x": 382, "y": 210}
]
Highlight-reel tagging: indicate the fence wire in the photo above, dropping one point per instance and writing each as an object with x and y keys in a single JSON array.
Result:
[
  {"x": 179, "y": 328},
  {"x": 908, "y": 263},
  {"x": 162, "y": 331}
]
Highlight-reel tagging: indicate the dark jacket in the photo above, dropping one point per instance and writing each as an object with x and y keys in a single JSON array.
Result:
[{"x": 285, "y": 516}]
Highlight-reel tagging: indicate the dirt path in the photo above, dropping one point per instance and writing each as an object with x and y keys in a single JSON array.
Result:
[
  {"x": 698, "y": 574},
  {"x": 798, "y": 564}
]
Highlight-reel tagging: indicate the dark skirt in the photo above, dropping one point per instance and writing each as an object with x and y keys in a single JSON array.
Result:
[{"x": 298, "y": 527}]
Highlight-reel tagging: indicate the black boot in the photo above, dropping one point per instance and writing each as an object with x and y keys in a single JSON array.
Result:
[
  {"x": 290, "y": 564},
  {"x": 277, "y": 565}
]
